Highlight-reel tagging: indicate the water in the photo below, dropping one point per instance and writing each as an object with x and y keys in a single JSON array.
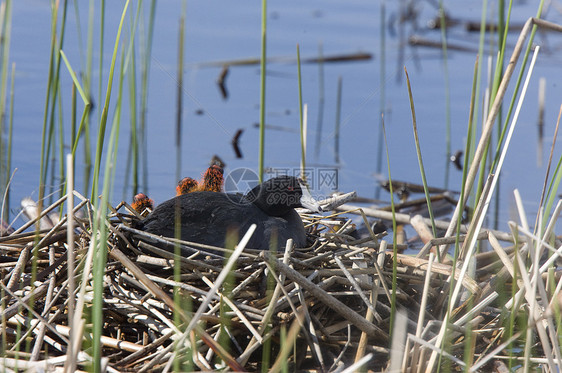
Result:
[{"x": 224, "y": 30}]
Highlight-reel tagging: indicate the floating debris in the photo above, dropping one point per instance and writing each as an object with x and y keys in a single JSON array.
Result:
[
  {"x": 344, "y": 57},
  {"x": 221, "y": 81},
  {"x": 457, "y": 159},
  {"x": 235, "y": 144}
]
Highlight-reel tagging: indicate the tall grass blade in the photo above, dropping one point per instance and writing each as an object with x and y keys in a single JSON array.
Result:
[
  {"x": 85, "y": 100},
  {"x": 552, "y": 194},
  {"x": 179, "y": 91},
  {"x": 103, "y": 120},
  {"x": 100, "y": 223},
  {"x": 338, "y": 122},
  {"x": 418, "y": 152},
  {"x": 61, "y": 147},
  {"x": 44, "y": 132},
  {"x": 101, "y": 54},
  {"x": 133, "y": 153},
  {"x": 88, "y": 83},
  {"x": 447, "y": 93},
  {"x": 5, "y": 32},
  {"x": 382, "y": 89},
  {"x": 99, "y": 231},
  {"x": 394, "y": 232},
  {"x": 178, "y": 360},
  {"x": 321, "y": 100},
  {"x": 56, "y": 99},
  {"x": 262, "y": 89},
  {"x": 145, "y": 69},
  {"x": 301, "y": 122},
  {"x": 8, "y": 155}
]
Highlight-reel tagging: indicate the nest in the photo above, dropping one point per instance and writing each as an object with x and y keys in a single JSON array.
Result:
[{"x": 339, "y": 304}]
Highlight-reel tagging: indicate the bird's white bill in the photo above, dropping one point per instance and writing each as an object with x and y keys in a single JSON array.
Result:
[{"x": 307, "y": 201}]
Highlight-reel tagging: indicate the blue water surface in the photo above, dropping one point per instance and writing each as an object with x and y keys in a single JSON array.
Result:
[{"x": 227, "y": 30}]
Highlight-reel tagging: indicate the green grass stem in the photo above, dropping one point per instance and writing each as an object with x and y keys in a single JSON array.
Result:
[
  {"x": 302, "y": 131},
  {"x": 442, "y": 252},
  {"x": 100, "y": 52},
  {"x": 130, "y": 64},
  {"x": 321, "y": 100},
  {"x": 133, "y": 153},
  {"x": 394, "y": 233},
  {"x": 56, "y": 102},
  {"x": 484, "y": 161},
  {"x": 61, "y": 158},
  {"x": 79, "y": 33},
  {"x": 10, "y": 143},
  {"x": 179, "y": 90},
  {"x": 100, "y": 223},
  {"x": 447, "y": 94},
  {"x": 103, "y": 121},
  {"x": 178, "y": 360},
  {"x": 516, "y": 88},
  {"x": 85, "y": 100},
  {"x": 281, "y": 362},
  {"x": 418, "y": 152},
  {"x": 73, "y": 118},
  {"x": 382, "y": 89},
  {"x": 338, "y": 122},
  {"x": 145, "y": 69},
  {"x": 44, "y": 131},
  {"x": 88, "y": 89},
  {"x": 552, "y": 193},
  {"x": 52, "y": 83},
  {"x": 5, "y": 32},
  {"x": 502, "y": 36},
  {"x": 262, "y": 88},
  {"x": 467, "y": 151}
]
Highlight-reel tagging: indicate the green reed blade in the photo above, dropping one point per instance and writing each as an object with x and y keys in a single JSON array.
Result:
[
  {"x": 145, "y": 68},
  {"x": 262, "y": 89},
  {"x": 103, "y": 121},
  {"x": 394, "y": 233},
  {"x": 100, "y": 223},
  {"x": 303, "y": 140},
  {"x": 418, "y": 152}
]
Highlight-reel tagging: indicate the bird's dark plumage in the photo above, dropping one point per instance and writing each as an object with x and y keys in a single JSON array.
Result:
[{"x": 206, "y": 217}]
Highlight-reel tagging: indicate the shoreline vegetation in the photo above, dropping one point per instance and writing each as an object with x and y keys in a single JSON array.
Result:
[{"x": 89, "y": 292}]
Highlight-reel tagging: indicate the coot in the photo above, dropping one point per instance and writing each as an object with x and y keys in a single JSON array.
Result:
[
  {"x": 142, "y": 204},
  {"x": 212, "y": 181},
  {"x": 186, "y": 185},
  {"x": 206, "y": 217}
]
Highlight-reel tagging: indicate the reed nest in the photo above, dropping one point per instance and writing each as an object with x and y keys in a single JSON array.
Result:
[{"x": 329, "y": 307}]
